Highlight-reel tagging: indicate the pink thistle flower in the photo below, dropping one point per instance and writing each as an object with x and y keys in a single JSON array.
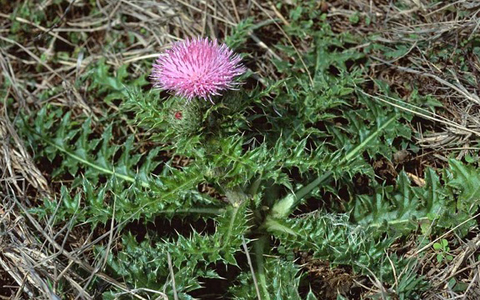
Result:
[{"x": 197, "y": 68}]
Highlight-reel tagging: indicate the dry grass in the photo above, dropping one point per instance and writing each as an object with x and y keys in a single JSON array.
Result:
[
  {"x": 34, "y": 254},
  {"x": 427, "y": 29}
]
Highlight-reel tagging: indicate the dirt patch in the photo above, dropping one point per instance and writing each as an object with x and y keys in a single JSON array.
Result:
[
  {"x": 327, "y": 282},
  {"x": 8, "y": 286}
]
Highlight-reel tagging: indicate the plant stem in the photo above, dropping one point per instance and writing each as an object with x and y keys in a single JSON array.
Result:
[
  {"x": 259, "y": 246},
  {"x": 199, "y": 210},
  {"x": 362, "y": 145},
  {"x": 231, "y": 225},
  {"x": 286, "y": 205}
]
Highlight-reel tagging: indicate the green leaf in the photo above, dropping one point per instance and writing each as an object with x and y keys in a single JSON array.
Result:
[{"x": 466, "y": 180}]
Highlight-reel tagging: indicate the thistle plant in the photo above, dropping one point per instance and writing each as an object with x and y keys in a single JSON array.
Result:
[
  {"x": 200, "y": 68},
  {"x": 257, "y": 197}
]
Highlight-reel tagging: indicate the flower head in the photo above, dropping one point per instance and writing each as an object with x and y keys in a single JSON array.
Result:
[{"x": 197, "y": 68}]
